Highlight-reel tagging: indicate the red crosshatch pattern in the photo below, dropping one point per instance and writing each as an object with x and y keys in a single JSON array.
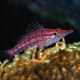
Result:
[
  {"x": 38, "y": 38},
  {"x": 35, "y": 35}
]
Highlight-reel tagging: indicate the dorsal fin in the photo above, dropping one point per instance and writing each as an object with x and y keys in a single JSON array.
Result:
[{"x": 34, "y": 26}]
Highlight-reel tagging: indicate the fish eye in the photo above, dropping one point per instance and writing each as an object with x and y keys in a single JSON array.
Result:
[{"x": 54, "y": 33}]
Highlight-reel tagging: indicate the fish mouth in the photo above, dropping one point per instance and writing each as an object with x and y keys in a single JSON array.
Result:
[
  {"x": 65, "y": 34},
  {"x": 60, "y": 36}
]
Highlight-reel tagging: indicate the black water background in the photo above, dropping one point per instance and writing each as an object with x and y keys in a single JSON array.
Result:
[{"x": 13, "y": 20}]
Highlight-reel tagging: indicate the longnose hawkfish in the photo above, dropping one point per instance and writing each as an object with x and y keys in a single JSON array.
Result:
[{"x": 41, "y": 37}]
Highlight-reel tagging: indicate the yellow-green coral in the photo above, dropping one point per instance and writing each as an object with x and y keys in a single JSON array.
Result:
[{"x": 60, "y": 62}]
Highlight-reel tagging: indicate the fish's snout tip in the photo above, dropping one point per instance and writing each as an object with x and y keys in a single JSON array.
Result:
[{"x": 71, "y": 30}]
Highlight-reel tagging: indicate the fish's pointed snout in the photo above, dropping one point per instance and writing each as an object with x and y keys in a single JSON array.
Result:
[
  {"x": 68, "y": 31},
  {"x": 71, "y": 30},
  {"x": 65, "y": 31}
]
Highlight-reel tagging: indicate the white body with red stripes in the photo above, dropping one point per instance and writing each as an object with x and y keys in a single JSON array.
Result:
[{"x": 41, "y": 37}]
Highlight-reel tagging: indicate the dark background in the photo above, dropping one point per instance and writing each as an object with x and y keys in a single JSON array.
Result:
[{"x": 13, "y": 24}]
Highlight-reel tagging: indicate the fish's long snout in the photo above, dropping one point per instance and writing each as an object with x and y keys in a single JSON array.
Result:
[
  {"x": 68, "y": 31},
  {"x": 72, "y": 30},
  {"x": 65, "y": 33},
  {"x": 60, "y": 31}
]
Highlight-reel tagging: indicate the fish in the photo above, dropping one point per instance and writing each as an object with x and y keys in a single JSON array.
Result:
[{"x": 42, "y": 37}]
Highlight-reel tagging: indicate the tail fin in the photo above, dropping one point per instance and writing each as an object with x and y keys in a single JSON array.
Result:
[
  {"x": 6, "y": 55},
  {"x": 10, "y": 53}
]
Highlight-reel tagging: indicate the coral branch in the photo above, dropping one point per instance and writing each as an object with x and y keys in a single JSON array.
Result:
[{"x": 60, "y": 62}]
